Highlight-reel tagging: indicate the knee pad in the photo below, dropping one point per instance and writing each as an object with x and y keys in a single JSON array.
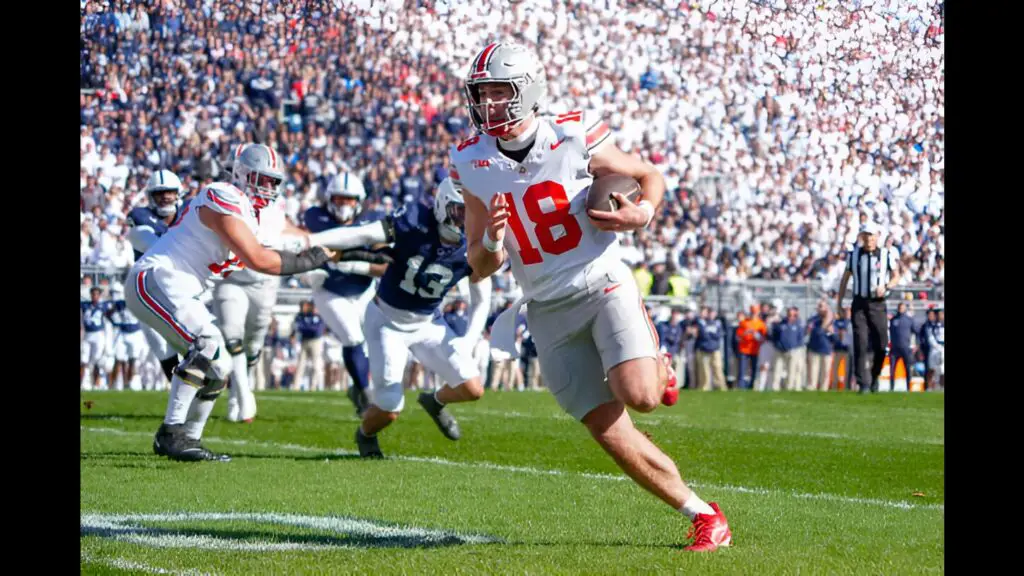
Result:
[
  {"x": 252, "y": 360},
  {"x": 211, "y": 389},
  {"x": 388, "y": 398},
  {"x": 253, "y": 351},
  {"x": 205, "y": 359},
  {"x": 234, "y": 346}
]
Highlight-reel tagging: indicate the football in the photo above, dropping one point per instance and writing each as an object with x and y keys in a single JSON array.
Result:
[{"x": 599, "y": 197}]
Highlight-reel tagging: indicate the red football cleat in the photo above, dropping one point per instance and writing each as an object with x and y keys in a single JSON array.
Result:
[
  {"x": 671, "y": 393},
  {"x": 709, "y": 531}
]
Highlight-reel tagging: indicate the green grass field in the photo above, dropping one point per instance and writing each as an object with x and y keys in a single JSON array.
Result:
[{"x": 812, "y": 483}]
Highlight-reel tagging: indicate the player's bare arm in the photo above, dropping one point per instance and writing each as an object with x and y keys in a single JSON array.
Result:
[
  {"x": 610, "y": 159},
  {"x": 244, "y": 244},
  {"x": 479, "y": 304},
  {"x": 480, "y": 220}
]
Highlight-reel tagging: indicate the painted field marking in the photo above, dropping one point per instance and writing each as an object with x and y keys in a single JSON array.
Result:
[{"x": 897, "y": 504}]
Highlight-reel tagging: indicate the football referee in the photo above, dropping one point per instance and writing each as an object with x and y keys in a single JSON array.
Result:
[{"x": 875, "y": 271}]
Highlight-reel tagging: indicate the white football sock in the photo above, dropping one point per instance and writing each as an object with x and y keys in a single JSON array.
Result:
[
  {"x": 694, "y": 505},
  {"x": 179, "y": 401},
  {"x": 240, "y": 387},
  {"x": 198, "y": 414}
]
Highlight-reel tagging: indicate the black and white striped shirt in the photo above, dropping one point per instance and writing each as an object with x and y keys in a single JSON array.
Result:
[{"x": 871, "y": 270}]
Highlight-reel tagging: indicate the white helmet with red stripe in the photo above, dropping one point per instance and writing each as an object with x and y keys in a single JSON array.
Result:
[
  {"x": 256, "y": 170},
  {"x": 516, "y": 65}
]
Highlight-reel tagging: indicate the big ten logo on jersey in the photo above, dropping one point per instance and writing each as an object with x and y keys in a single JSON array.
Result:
[
  {"x": 427, "y": 283},
  {"x": 554, "y": 228},
  {"x": 225, "y": 268}
]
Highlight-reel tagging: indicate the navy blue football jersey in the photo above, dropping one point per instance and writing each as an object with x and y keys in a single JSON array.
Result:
[
  {"x": 93, "y": 315},
  {"x": 147, "y": 216},
  {"x": 123, "y": 319},
  {"x": 349, "y": 285},
  {"x": 425, "y": 269}
]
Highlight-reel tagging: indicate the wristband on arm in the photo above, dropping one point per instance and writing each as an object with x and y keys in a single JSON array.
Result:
[{"x": 309, "y": 259}]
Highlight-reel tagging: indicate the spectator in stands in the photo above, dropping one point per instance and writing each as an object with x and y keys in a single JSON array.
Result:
[
  {"x": 709, "y": 351},
  {"x": 819, "y": 347},
  {"x": 310, "y": 328},
  {"x": 780, "y": 127},
  {"x": 788, "y": 338},
  {"x": 105, "y": 250},
  {"x": 750, "y": 332}
]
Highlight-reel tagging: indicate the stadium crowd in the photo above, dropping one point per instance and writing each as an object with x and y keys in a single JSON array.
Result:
[{"x": 780, "y": 125}]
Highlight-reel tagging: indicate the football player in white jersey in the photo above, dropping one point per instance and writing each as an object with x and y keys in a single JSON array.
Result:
[
  {"x": 214, "y": 236},
  {"x": 243, "y": 303},
  {"x": 525, "y": 179}
]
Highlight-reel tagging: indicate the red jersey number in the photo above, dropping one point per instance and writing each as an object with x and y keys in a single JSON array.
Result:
[{"x": 544, "y": 222}]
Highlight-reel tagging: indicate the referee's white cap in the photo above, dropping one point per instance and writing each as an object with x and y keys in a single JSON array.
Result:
[{"x": 869, "y": 228}]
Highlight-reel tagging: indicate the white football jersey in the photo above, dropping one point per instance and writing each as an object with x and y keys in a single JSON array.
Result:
[
  {"x": 549, "y": 237},
  {"x": 192, "y": 248},
  {"x": 271, "y": 221}
]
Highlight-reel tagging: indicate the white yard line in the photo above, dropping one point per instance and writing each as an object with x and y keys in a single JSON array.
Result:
[
  {"x": 897, "y": 504},
  {"x": 472, "y": 413},
  {"x": 125, "y": 564}
]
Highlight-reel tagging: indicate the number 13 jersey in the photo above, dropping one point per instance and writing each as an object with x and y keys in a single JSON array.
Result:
[{"x": 549, "y": 236}]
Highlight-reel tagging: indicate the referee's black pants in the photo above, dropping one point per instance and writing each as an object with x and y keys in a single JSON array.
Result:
[{"x": 870, "y": 337}]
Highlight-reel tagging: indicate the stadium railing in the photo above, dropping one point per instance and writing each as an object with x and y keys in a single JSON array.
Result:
[{"x": 725, "y": 297}]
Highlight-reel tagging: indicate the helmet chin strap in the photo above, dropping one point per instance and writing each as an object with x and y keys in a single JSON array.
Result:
[
  {"x": 526, "y": 138},
  {"x": 448, "y": 235}
]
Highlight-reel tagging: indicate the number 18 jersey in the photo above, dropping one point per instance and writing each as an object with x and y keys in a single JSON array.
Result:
[{"x": 549, "y": 237}]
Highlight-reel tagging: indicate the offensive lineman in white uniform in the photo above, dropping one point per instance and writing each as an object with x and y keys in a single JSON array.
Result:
[
  {"x": 243, "y": 303},
  {"x": 525, "y": 182},
  {"x": 214, "y": 236}
]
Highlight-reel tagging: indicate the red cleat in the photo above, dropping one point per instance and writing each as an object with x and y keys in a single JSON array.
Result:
[
  {"x": 709, "y": 531},
  {"x": 671, "y": 393}
]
